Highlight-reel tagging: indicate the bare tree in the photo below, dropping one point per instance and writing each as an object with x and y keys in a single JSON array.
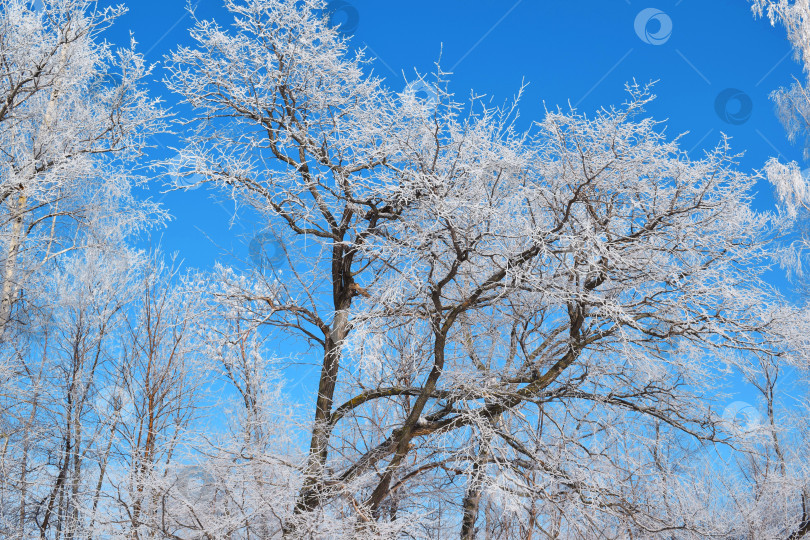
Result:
[
  {"x": 55, "y": 402},
  {"x": 158, "y": 365},
  {"x": 74, "y": 118}
]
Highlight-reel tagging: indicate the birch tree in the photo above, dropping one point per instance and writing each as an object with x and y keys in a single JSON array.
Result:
[{"x": 73, "y": 116}]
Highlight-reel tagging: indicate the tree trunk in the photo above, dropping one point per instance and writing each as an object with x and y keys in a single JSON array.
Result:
[
  {"x": 472, "y": 499},
  {"x": 318, "y": 451},
  {"x": 10, "y": 268}
]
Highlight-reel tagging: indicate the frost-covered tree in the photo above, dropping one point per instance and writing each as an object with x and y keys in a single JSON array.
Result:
[
  {"x": 60, "y": 389},
  {"x": 159, "y": 362},
  {"x": 518, "y": 331},
  {"x": 792, "y": 188},
  {"x": 73, "y": 117},
  {"x": 792, "y": 103}
]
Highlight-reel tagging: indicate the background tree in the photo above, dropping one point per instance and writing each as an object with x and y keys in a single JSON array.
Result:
[
  {"x": 73, "y": 116},
  {"x": 793, "y": 191},
  {"x": 792, "y": 103}
]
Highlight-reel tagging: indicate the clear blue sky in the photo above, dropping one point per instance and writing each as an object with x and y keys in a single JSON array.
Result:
[{"x": 580, "y": 52}]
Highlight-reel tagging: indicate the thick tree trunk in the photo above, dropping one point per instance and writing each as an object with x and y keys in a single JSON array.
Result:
[
  {"x": 318, "y": 451},
  {"x": 472, "y": 499},
  {"x": 342, "y": 292}
]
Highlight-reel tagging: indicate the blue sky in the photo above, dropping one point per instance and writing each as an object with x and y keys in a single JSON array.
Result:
[{"x": 578, "y": 52}]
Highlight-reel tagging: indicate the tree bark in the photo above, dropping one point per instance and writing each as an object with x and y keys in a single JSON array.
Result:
[{"x": 472, "y": 499}]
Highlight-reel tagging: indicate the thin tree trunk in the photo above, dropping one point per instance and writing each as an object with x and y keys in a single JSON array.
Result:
[
  {"x": 100, "y": 482},
  {"x": 10, "y": 267},
  {"x": 10, "y": 276}
]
